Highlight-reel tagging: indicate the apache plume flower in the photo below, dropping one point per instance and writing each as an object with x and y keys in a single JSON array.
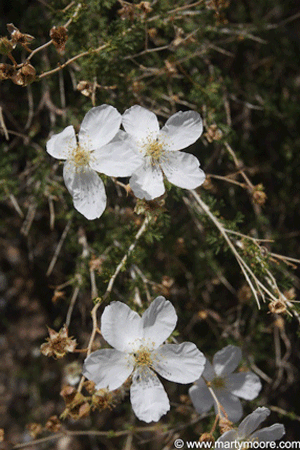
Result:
[
  {"x": 100, "y": 148},
  {"x": 247, "y": 430},
  {"x": 159, "y": 151},
  {"x": 58, "y": 344},
  {"x": 226, "y": 385},
  {"x": 138, "y": 351}
]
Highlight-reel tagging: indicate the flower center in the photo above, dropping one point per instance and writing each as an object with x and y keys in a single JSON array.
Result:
[
  {"x": 80, "y": 156},
  {"x": 142, "y": 357},
  {"x": 153, "y": 148},
  {"x": 218, "y": 383}
]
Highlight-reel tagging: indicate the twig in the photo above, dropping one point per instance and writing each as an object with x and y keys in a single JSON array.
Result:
[
  {"x": 71, "y": 306},
  {"x": 58, "y": 248},
  {"x": 62, "y": 66}
]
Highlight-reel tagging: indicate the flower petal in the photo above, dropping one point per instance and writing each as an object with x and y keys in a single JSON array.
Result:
[
  {"x": 182, "y": 363},
  {"x": 201, "y": 397},
  {"x": 99, "y": 126},
  {"x": 226, "y": 360},
  {"x": 87, "y": 190},
  {"x": 147, "y": 182},
  {"x": 182, "y": 129},
  {"x": 59, "y": 145},
  {"x": 108, "y": 368},
  {"x": 230, "y": 403},
  {"x": 140, "y": 123},
  {"x": 119, "y": 158},
  {"x": 159, "y": 320},
  {"x": 246, "y": 385},
  {"x": 252, "y": 422},
  {"x": 182, "y": 170},
  {"x": 148, "y": 397},
  {"x": 209, "y": 374},
  {"x": 120, "y": 326},
  {"x": 272, "y": 433},
  {"x": 228, "y": 436}
]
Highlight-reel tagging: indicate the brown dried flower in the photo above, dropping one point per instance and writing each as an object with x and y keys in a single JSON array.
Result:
[
  {"x": 277, "y": 306},
  {"x": 53, "y": 424},
  {"x": 59, "y": 38},
  {"x": 34, "y": 429},
  {"x": 58, "y": 344},
  {"x": 6, "y": 71},
  {"x": 76, "y": 404},
  {"x": 1, "y": 435},
  {"x": 102, "y": 399},
  {"x": 19, "y": 38},
  {"x": 85, "y": 87},
  {"x": 258, "y": 195},
  {"x": 25, "y": 75},
  {"x": 213, "y": 133}
]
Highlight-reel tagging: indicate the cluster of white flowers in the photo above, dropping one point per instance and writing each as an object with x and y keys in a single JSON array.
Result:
[
  {"x": 226, "y": 386},
  {"x": 143, "y": 152}
]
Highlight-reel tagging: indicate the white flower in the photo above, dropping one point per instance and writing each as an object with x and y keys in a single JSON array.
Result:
[
  {"x": 138, "y": 350},
  {"x": 246, "y": 430},
  {"x": 101, "y": 148},
  {"x": 158, "y": 151},
  {"x": 226, "y": 385}
]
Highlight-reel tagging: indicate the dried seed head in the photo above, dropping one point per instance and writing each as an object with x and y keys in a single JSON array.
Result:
[
  {"x": 103, "y": 399},
  {"x": 85, "y": 87},
  {"x": 6, "y": 71},
  {"x": 213, "y": 133},
  {"x": 1, "y": 435},
  {"x": 25, "y": 75},
  {"x": 145, "y": 7},
  {"x": 17, "y": 37},
  {"x": 277, "y": 306},
  {"x": 258, "y": 195},
  {"x": 53, "y": 424},
  {"x": 59, "y": 37},
  {"x": 58, "y": 344},
  {"x": 34, "y": 429}
]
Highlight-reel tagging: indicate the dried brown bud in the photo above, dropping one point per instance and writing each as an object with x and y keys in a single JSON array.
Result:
[
  {"x": 17, "y": 37},
  {"x": 127, "y": 11},
  {"x": 53, "y": 424},
  {"x": 244, "y": 293},
  {"x": 34, "y": 429},
  {"x": 145, "y": 7},
  {"x": 59, "y": 37},
  {"x": 89, "y": 386},
  {"x": 6, "y": 46},
  {"x": 85, "y": 87},
  {"x": 76, "y": 404},
  {"x": 207, "y": 437},
  {"x": 213, "y": 133},
  {"x": 25, "y": 75},
  {"x": 102, "y": 399},
  {"x": 225, "y": 425},
  {"x": 1, "y": 435},
  {"x": 6, "y": 71},
  {"x": 277, "y": 306},
  {"x": 258, "y": 195},
  {"x": 58, "y": 344}
]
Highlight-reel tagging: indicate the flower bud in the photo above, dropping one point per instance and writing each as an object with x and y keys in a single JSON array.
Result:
[{"x": 59, "y": 37}]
